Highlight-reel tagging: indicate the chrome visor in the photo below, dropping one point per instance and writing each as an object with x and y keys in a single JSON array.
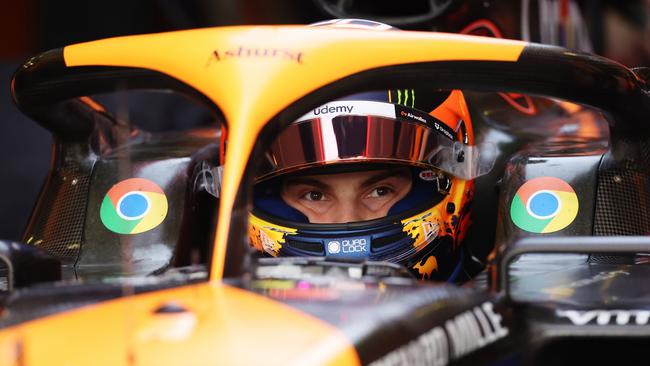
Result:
[{"x": 363, "y": 131}]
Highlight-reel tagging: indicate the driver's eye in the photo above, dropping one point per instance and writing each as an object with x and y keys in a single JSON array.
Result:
[
  {"x": 313, "y": 196},
  {"x": 379, "y": 192},
  {"x": 382, "y": 191}
]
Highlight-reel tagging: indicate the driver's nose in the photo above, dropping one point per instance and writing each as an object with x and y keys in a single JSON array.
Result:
[{"x": 349, "y": 211}]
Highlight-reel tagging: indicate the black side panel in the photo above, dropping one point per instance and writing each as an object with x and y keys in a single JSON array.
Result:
[
  {"x": 64, "y": 199},
  {"x": 405, "y": 324},
  {"x": 17, "y": 264},
  {"x": 623, "y": 195}
]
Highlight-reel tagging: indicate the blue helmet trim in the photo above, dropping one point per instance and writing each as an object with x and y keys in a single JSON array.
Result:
[
  {"x": 266, "y": 197},
  {"x": 421, "y": 191}
]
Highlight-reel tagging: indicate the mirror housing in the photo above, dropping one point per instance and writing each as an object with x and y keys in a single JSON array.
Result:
[{"x": 22, "y": 265}]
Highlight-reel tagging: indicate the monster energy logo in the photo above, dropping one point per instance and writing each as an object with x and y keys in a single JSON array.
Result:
[{"x": 405, "y": 97}]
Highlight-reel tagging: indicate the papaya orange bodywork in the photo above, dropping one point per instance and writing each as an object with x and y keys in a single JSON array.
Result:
[{"x": 223, "y": 325}]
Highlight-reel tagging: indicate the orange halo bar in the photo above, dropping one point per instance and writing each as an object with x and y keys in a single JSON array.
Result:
[{"x": 253, "y": 72}]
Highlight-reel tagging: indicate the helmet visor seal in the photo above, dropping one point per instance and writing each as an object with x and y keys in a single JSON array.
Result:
[{"x": 376, "y": 132}]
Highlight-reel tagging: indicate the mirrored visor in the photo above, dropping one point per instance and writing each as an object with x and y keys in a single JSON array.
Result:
[{"x": 412, "y": 139}]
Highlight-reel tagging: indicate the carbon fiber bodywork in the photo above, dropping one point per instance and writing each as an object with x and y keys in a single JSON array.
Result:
[
  {"x": 60, "y": 233},
  {"x": 623, "y": 196}
]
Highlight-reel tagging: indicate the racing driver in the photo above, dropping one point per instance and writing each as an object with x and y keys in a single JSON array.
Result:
[{"x": 380, "y": 176}]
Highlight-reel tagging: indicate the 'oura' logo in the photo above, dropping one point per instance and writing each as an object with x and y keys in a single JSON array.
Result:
[{"x": 245, "y": 52}]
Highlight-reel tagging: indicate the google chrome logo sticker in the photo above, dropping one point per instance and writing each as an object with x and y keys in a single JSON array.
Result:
[
  {"x": 133, "y": 206},
  {"x": 544, "y": 205}
]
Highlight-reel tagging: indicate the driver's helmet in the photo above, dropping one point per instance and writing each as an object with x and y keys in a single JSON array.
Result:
[{"x": 428, "y": 133}]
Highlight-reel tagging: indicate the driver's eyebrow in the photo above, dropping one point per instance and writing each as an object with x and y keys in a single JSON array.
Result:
[
  {"x": 378, "y": 177},
  {"x": 306, "y": 181}
]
